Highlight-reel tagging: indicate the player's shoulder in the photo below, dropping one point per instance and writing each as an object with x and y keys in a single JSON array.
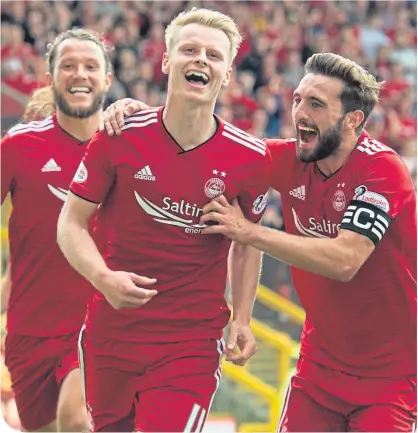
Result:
[
  {"x": 37, "y": 128},
  {"x": 143, "y": 119},
  {"x": 281, "y": 144},
  {"x": 242, "y": 141},
  {"x": 371, "y": 154}
]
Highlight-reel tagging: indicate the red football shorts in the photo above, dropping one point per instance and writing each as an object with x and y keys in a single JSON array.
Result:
[
  {"x": 149, "y": 387},
  {"x": 327, "y": 400},
  {"x": 37, "y": 368}
]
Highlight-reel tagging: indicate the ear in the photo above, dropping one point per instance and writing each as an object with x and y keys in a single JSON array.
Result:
[
  {"x": 108, "y": 80},
  {"x": 48, "y": 78},
  {"x": 355, "y": 118},
  {"x": 165, "y": 64},
  {"x": 227, "y": 78}
]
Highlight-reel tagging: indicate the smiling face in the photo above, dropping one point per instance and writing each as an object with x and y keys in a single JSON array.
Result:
[
  {"x": 318, "y": 117},
  {"x": 198, "y": 64},
  {"x": 79, "y": 79}
]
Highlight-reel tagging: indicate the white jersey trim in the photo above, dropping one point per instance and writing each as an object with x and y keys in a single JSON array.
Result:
[
  {"x": 242, "y": 137},
  {"x": 369, "y": 146},
  {"x": 139, "y": 124},
  {"x": 35, "y": 126}
]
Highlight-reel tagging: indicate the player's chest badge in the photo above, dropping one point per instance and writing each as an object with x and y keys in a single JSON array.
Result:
[
  {"x": 339, "y": 200},
  {"x": 215, "y": 186}
]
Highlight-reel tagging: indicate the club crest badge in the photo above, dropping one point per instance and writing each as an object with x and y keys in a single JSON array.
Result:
[{"x": 214, "y": 187}]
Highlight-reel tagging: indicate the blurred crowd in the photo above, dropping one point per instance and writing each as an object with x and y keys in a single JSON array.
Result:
[{"x": 279, "y": 37}]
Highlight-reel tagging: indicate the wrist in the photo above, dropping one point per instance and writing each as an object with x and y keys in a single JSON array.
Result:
[
  {"x": 99, "y": 276},
  {"x": 242, "y": 320}
]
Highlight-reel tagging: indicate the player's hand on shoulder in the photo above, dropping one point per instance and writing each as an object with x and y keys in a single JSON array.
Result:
[
  {"x": 241, "y": 344},
  {"x": 125, "y": 289},
  {"x": 112, "y": 120}
]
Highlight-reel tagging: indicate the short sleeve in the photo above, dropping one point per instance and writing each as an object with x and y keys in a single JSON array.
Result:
[
  {"x": 283, "y": 154},
  {"x": 253, "y": 198},
  {"x": 95, "y": 174},
  {"x": 7, "y": 166},
  {"x": 383, "y": 188}
]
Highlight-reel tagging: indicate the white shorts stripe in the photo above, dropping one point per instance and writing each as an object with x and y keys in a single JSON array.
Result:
[
  {"x": 285, "y": 404},
  {"x": 192, "y": 418},
  {"x": 81, "y": 361},
  {"x": 220, "y": 347},
  {"x": 201, "y": 419}
]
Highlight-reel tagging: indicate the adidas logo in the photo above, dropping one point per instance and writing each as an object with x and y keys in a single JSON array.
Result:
[
  {"x": 51, "y": 165},
  {"x": 299, "y": 192},
  {"x": 145, "y": 174}
]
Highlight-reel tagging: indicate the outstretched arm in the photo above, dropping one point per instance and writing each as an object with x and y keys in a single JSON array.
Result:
[{"x": 339, "y": 258}]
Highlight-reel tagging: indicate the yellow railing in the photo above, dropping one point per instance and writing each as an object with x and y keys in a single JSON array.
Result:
[
  {"x": 286, "y": 347},
  {"x": 280, "y": 303}
]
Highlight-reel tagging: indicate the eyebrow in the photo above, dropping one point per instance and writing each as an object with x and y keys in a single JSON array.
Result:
[
  {"x": 211, "y": 47},
  {"x": 69, "y": 59},
  {"x": 312, "y": 98}
]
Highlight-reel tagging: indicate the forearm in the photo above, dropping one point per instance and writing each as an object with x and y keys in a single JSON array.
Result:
[
  {"x": 80, "y": 250},
  {"x": 326, "y": 257},
  {"x": 244, "y": 264}
]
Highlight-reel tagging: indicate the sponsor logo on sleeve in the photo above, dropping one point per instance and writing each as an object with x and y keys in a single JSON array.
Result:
[
  {"x": 81, "y": 174},
  {"x": 260, "y": 204},
  {"x": 363, "y": 194}
]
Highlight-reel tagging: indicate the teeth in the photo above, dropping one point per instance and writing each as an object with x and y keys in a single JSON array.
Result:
[
  {"x": 199, "y": 74},
  {"x": 79, "y": 89},
  {"x": 304, "y": 128}
]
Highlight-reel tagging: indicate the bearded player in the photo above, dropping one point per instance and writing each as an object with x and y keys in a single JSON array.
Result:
[
  {"x": 48, "y": 298},
  {"x": 350, "y": 210}
]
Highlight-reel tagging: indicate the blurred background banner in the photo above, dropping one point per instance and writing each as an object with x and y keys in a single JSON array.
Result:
[{"x": 279, "y": 37}]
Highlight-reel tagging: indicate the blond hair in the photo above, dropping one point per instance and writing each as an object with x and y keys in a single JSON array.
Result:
[
  {"x": 209, "y": 18},
  {"x": 361, "y": 90},
  {"x": 41, "y": 104}
]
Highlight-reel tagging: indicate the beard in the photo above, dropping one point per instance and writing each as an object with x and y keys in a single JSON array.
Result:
[
  {"x": 78, "y": 113},
  {"x": 328, "y": 144}
]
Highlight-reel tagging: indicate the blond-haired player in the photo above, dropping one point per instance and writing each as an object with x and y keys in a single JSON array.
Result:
[{"x": 151, "y": 358}]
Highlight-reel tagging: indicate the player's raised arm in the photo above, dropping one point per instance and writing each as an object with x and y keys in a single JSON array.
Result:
[{"x": 338, "y": 258}]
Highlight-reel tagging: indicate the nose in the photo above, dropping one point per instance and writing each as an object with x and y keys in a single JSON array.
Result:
[
  {"x": 201, "y": 58},
  {"x": 299, "y": 111},
  {"x": 81, "y": 72}
]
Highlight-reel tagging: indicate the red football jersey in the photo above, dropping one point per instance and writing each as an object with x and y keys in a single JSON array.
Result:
[
  {"x": 152, "y": 193},
  {"x": 48, "y": 297},
  {"x": 366, "y": 326}
]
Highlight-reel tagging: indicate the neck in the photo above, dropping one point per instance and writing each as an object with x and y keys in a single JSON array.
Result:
[
  {"x": 189, "y": 124},
  {"x": 81, "y": 129},
  {"x": 332, "y": 163}
]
